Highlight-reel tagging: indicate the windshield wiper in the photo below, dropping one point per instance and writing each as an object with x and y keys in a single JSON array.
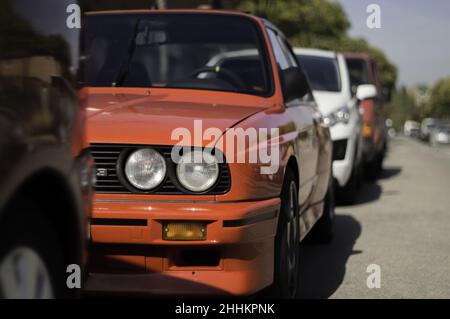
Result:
[{"x": 125, "y": 65}]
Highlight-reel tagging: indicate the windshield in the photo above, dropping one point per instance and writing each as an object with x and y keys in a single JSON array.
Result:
[
  {"x": 191, "y": 51},
  {"x": 443, "y": 127},
  {"x": 322, "y": 72}
]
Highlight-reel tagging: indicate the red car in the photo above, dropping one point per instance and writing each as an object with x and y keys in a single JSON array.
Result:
[{"x": 363, "y": 71}]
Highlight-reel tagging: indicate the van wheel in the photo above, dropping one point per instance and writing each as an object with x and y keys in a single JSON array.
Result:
[
  {"x": 323, "y": 231},
  {"x": 31, "y": 264},
  {"x": 287, "y": 243}
]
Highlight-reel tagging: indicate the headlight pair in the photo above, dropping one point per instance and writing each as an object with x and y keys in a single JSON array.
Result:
[
  {"x": 197, "y": 171},
  {"x": 340, "y": 116}
]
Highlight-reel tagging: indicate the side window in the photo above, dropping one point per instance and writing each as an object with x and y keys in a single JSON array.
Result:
[
  {"x": 293, "y": 62},
  {"x": 288, "y": 53},
  {"x": 286, "y": 60},
  {"x": 278, "y": 51}
]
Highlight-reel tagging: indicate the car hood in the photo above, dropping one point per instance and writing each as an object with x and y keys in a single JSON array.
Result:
[
  {"x": 150, "y": 117},
  {"x": 330, "y": 102}
]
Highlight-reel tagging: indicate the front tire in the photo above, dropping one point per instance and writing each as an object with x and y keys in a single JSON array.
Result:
[
  {"x": 375, "y": 167},
  {"x": 323, "y": 231},
  {"x": 347, "y": 195},
  {"x": 287, "y": 243},
  {"x": 31, "y": 263}
]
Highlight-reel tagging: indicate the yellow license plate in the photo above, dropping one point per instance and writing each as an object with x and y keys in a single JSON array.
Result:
[{"x": 184, "y": 231}]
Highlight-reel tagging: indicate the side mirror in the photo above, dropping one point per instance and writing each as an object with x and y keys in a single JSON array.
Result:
[
  {"x": 366, "y": 91},
  {"x": 295, "y": 84}
]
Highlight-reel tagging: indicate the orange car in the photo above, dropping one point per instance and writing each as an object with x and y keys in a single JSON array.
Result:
[{"x": 180, "y": 206}]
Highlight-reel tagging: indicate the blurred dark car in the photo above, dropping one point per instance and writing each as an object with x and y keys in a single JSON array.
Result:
[
  {"x": 45, "y": 169},
  {"x": 363, "y": 71}
]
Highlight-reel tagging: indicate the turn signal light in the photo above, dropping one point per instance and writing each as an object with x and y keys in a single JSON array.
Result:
[
  {"x": 184, "y": 231},
  {"x": 367, "y": 130}
]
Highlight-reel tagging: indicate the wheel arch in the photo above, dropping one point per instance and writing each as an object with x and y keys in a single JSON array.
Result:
[{"x": 55, "y": 198}]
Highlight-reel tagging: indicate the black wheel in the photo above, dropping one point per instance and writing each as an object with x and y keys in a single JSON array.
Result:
[
  {"x": 287, "y": 243},
  {"x": 323, "y": 231},
  {"x": 361, "y": 173},
  {"x": 347, "y": 195},
  {"x": 31, "y": 263},
  {"x": 374, "y": 168}
]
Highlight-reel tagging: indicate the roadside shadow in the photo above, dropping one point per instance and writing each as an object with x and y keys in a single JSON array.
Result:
[
  {"x": 390, "y": 172},
  {"x": 322, "y": 267},
  {"x": 369, "y": 192}
]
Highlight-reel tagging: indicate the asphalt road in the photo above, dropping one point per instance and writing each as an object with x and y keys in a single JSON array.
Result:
[{"x": 401, "y": 223}]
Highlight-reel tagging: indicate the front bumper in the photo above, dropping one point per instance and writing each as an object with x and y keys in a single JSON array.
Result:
[
  {"x": 443, "y": 139},
  {"x": 343, "y": 166},
  {"x": 129, "y": 254}
]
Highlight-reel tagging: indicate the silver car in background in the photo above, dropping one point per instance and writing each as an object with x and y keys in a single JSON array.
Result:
[{"x": 440, "y": 134}]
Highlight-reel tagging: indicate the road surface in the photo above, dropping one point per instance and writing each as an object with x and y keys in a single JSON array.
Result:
[{"x": 401, "y": 223}]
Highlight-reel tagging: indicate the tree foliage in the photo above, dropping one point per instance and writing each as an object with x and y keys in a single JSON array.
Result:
[
  {"x": 439, "y": 102},
  {"x": 319, "y": 24},
  {"x": 305, "y": 18},
  {"x": 402, "y": 107}
]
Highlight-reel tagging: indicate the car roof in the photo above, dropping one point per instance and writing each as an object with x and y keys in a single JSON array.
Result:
[
  {"x": 165, "y": 11},
  {"x": 315, "y": 52},
  {"x": 358, "y": 55}
]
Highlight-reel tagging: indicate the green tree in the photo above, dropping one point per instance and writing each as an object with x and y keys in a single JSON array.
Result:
[
  {"x": 319, "y": 24},
  {"x": 306, "y": 19},
  {"x": 439, "y": 102},
  {"x": 402, "y": 108},
  {"x": 388, "y": 71}
]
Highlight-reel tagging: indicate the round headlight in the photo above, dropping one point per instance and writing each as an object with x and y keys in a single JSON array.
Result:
[
  {"x": 197, "y": 171},
  {"x": 145, "y": 169}
]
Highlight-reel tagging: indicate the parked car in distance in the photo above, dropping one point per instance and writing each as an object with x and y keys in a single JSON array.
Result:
[
  {"x": 366, "y": 85},
  {"x": 411, "y": 129},
  {"x": 440, "y": 134},
  {"x": 46, "y": 172},
  {"x": 330, "y": 82},
  {"x": 427, "y": 127},
  {"x": 163, "y": 226}
]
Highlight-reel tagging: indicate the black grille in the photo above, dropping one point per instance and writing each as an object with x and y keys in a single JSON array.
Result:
[
  {"x": 339, "y": 150},
  {"x": 108, "y": 158}
]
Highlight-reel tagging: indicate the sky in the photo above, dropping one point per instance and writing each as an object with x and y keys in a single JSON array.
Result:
[{"x": 414, "y": 35}]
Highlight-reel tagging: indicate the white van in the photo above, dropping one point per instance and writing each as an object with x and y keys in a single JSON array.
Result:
[{"x": 329, "y": 78}]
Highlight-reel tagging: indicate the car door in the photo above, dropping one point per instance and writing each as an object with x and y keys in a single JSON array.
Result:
[{"x": 304, "y": 115}]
